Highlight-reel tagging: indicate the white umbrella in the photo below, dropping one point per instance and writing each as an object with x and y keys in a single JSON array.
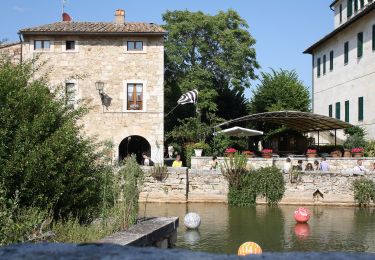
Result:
[{"x": 240, "y": 132}]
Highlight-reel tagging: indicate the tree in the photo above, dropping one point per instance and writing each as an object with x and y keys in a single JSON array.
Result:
[
  {"x": 214, "y": 54},
  {"x": 280, "y": 90},
  {"x": 44, "y": 158}
]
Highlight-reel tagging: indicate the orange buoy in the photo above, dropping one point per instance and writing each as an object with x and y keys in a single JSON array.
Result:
[
  {"x": 302, "y": 215},
  {"x": 249, "y": 248}
]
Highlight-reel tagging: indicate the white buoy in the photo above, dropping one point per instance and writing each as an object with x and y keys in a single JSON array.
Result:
[{"x": 192, "y": 220}]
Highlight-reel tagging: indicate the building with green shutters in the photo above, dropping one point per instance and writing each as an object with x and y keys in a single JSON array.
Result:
[{"x": 343, "y": 66}]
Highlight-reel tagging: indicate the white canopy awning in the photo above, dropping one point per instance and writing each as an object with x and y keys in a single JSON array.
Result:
[{"x": 240, "y": 132}]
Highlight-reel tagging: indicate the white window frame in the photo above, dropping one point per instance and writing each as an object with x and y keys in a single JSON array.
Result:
[
  {"x": 63, "y": 46},
  {"x": 51, "y": 45},
  {"x": 77, "y": 95},
  {"x": 135, "y": 51},
  {"x": 125, "y": 95}
]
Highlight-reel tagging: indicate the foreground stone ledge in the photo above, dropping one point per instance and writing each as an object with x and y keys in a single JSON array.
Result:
[
  {"x": 159, "y": 232},
  {"x": 110, "y": 251}
]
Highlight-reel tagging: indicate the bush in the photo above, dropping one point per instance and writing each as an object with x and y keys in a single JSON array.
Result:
[
  {"x": 370, "y": 149},
  {"x": 159, "y": 173},
  {"x": 364, "y": 191},
  {"x": 43, "y": 154},
  {"x": 265, "y": 182},
  {"x": 234, "y": 168}
]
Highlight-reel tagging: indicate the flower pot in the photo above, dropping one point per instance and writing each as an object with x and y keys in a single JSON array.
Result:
[
  {"x": 230, "y": 155},
  {"x": 336, "y": 154},
  {"x": 357, "y": 155},
  {"x": 267, "y": 155},
  {"x": 198, "y": 152},
  {"x": 347, "y": 153}
]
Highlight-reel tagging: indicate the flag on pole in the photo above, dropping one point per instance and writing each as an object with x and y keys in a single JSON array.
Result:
[{"x": 190, "y": 97}]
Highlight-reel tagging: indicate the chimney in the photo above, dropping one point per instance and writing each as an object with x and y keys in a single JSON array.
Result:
[{"x": 120, "y": 16}]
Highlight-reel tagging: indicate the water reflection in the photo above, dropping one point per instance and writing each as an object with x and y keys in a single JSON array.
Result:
[{"x": 224, "y": 228}]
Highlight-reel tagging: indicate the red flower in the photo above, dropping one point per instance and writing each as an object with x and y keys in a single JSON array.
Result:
[
  {"x": 230, "y": 150},
  {"x": 311, "y": 150},
  {"x": 267, "y": 151},
  {"x": 357, "y": 150}
]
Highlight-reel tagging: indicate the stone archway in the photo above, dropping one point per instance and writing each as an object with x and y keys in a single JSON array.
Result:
[{"x": 134, "y": 144}]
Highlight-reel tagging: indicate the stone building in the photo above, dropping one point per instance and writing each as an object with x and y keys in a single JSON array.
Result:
[
  {"x": 117, "y": 68},
  {"x": 343, "y": 65}
]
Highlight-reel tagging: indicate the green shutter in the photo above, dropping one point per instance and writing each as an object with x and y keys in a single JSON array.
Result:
[
  {"x": 330, "y": 110},
  {"x": 350, "y": 8},
  {"x": 318, "y": 67},
  {"x": 347, "y": 111},
  {"x": 324, "y": 64},
  {"x": 340, "y": 13},
  {"x": 360, "y": 109},
  {"x": 331, "y": 60},
  {"x": 362, "y": 3},
  {"x": 360, "y": 44},
  {"x": 373, "y": 37},
  {"x": 346, "y": 52},
  {"x": 355, "y": 5},
  {"x": 338, "y": 108}
]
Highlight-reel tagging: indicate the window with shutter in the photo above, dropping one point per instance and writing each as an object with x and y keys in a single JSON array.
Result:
[
  {"x": 330, "y": 110},
  {"x": 338, "y": 108},
  {"x": 362, "y": 2},
  {"x": 360, "y": 45},
  {"x": 349, "y": 8},
  {"x": 346, "y": 53},
  {"x": 324, "y": 64},
  {"x": 373, "y": 37},
  {"x": 318, "y": 67},
  {"x": 360, "y": 109},
  {"x": 347, "y": 111},
  {"x": 70, "y": 94},
  {"x": 331, "y": 61},
  {"x": 356, "y": 5},
  {"x": 340, "y": 13}
]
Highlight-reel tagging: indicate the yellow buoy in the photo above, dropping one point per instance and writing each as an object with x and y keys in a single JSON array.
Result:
[{"x": 249, "y": 248}]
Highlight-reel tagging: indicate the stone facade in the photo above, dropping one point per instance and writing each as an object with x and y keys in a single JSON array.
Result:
[
  {"x": 11, "y": 50},
  {"x": 104, "y": 57}
]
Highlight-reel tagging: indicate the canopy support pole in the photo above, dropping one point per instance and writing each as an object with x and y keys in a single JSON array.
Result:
[
  {"x": 335, "y": 138},
  {"x": 318, "y": 139}
]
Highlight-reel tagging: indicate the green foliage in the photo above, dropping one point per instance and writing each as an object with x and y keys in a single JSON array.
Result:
[
  {"x": 43, "y": 154},
  {"x": 131, "y": 178},
  {"x": 364, "y": 191},
  {"x": 214, "y": 54},
  {"x": 233, "y": 168},
  {"x": 354, "y": 141},
  {"x": 188, "y": 152},
  {"x": 190, "y": 130},
  {"x": 159, "y": 172},
  {"x": 203, "y": 146},
  {"x": 280, "y": 90},
  {"x": 370, "y": 149},
  {"x": 355, "y": 130},
  {"x": 265, "y": 182}
]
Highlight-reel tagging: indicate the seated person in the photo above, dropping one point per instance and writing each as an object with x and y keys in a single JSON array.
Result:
[
  {"x": 324, "y": 166},
  {"x": 316, "y": 165},
  {"x": 287, "y": 166},
  {"x": 300, "y": 165},
  {"x": 177, "y": 162},
  {"x": 146, "y": 161},
  {"x": 359, "y": 169},
  {"x": 309, "y": 167},
  {"x": 213, "y": 163}
]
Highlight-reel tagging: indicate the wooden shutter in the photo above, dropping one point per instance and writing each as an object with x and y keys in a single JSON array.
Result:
[
  {"x": 346, "y": 52},
  {"x": 360, "y": 44},
  {"x": 350, "y": 8},
  {"x": 338, "y": 110},
  {"x": 330, "y": 110},
  {"x": 355, "y": 5},
  {"x": 331, "y": 60},
  {"x": 318, "y": 67},
  {"x": 347, "y": 111},
  {"x": 360, "y": 109},
  {"x": 324, "y": 64},
  {"x": 373, "y": 37},
  {"x": 362, "y": 3}
]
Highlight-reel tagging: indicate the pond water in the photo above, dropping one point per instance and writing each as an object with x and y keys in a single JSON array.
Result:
[{"x": 225, "y": 228}]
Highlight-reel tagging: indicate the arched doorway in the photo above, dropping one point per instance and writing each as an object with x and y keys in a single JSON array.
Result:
[{"x": 134, "y": 145}]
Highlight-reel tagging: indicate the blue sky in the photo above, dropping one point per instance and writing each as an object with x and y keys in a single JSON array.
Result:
[{"x": 283, "y": 29}]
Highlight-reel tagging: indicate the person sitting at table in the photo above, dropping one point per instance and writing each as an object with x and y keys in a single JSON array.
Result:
[
  {"x": 309, "y": 167},
  {"x": 287, "y": 166},
  {"x": 177, "y": 162},
  {"x": 316, "y": 165},
  {"x": 213, "y": 163},
  {"x": 324, "y": 166},
  {"x": 359, "y": 169}
]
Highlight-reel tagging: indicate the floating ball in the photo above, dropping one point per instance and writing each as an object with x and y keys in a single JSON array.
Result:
[
  {"x": 302, "y": 215},
  {"x": 302, "y": 231},
  {"x": 249, "y": 248},
  {"x": 192, "y": 220}
]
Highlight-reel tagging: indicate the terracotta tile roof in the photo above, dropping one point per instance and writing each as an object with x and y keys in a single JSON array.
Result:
[{"x": 94, "y": 28}]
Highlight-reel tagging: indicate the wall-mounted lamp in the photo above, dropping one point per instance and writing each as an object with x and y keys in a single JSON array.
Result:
[{"x": 99, "y": 85}]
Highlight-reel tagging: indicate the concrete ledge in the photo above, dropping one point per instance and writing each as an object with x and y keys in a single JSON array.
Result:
[
  {"x": 110, "y": 251},
  {"x": 147, "y": 233}
]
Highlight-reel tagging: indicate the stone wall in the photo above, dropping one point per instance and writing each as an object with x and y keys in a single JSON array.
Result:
[
  {"x": 342, "y": 164},
  {"x": 12, "y": 51},
  {"x": 183, "y": 185}
]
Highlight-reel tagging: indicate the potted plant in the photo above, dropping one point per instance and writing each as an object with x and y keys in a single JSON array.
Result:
[
  {"x": 198, "y": 149},
  {"x": 336, "y": 153},
  {"x": 229, "y": 152},
  {"x": 357, "y": 152},
  {"x": 267, "y": 153},
  {"x": 347, "y": 152},
  {"x": 311, "y": 153},
  {"x": 248, "y": 154}
]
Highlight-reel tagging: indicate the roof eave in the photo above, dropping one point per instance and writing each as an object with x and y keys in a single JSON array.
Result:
[
  {"x": 92, "y": 33},
  {"x": 333, "y": 3}
]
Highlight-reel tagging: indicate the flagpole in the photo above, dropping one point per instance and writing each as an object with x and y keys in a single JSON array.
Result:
[{"x": 172, "y": 110}]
